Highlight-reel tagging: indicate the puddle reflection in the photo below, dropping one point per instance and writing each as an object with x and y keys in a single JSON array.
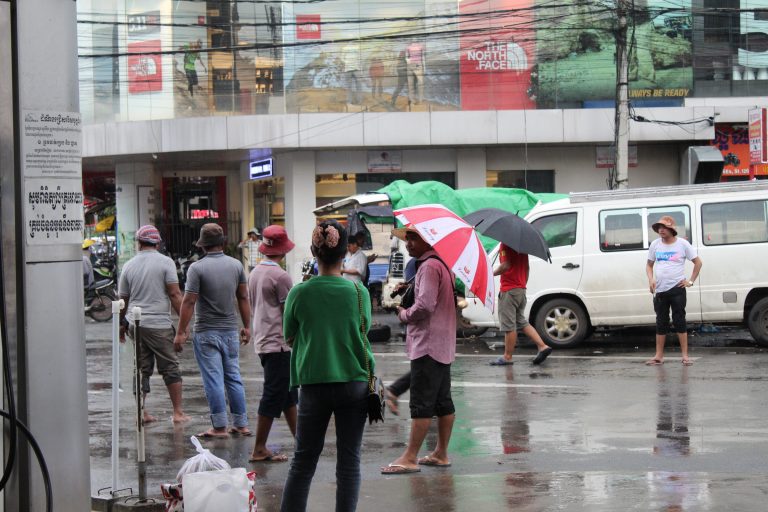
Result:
[{"x": 673, "y": 491}]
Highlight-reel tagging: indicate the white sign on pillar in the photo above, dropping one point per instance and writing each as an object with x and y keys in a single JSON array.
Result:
[{"x": 52, "y": 168}]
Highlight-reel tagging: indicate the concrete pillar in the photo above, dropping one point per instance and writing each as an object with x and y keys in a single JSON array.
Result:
[
  {"x": 129, "y": 178},
  {"x": 49, "y": 350},
  {"x": 471, "y": 167},
  {"x": 298, "y": 170}
]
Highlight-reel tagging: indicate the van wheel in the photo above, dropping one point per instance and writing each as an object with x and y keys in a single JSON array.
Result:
[
  {"x": 562, "y": 323},
  {"x": 758, "y": 322}
]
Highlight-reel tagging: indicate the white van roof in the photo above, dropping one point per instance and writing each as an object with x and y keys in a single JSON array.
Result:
[
  {"x": 675, "y": 190},
  {"x": 371, "y": 198}
]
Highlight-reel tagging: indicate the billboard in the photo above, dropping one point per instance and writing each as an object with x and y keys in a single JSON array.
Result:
[
  {"x": 145, "y": 70},
  {"x": 576, "y": 51},
  {"x": 758, "y": 142},
  {"x": 498, "y": 54},
  {"x": 733, "y": 142}
]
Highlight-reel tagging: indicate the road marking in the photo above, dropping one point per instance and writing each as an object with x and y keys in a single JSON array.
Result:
[
  {"x": 461, "y": 384},
  {"x": 523, "y": 358}
]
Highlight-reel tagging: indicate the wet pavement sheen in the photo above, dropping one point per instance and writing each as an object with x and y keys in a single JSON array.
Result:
[{"x": 590, "y": 429}]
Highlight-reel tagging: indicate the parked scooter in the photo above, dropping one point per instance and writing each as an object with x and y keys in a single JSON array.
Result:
[{"x": 98, "y": 299}]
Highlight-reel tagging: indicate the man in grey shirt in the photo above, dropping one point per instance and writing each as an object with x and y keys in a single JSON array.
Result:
[
  {"x": 149, "y": 281},
  {"x": 215, "y": 286}
]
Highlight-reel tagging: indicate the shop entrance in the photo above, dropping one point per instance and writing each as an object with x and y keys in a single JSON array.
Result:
[{"x": 188, "y": 203}]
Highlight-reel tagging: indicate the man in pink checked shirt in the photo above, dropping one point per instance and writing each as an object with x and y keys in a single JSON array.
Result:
[{"x": 431, "y": 346}]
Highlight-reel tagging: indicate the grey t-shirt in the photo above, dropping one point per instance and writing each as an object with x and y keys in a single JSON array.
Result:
[
  {"x": 357, "y": 261},
  {"x": 144, "y": 279},
  {"x": 669, "y": 259},
  {"x": 215, "y": 279}
]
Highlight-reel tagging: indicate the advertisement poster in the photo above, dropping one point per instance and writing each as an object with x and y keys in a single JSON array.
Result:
[
  {"x": 758, "y": 141},
  {"x": 733, "y": 143},
  {"x": 498, "y": 54},
  {"x": 145, "y": 70},
  {"x": 576, "y": 53},
  {"x": 51, "y": 144},
  {"x": 396, "y": 57},
  {"x": 53, "y": 211}
]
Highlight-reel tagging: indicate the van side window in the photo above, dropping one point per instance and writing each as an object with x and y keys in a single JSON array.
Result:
[
  {"x": 621, "y": 230},
  {"x": 558, "y": 230},
  {"x": 739, "y": 222}
]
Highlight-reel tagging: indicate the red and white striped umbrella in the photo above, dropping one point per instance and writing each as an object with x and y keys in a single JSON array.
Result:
[{"x": 457, "y": 244}]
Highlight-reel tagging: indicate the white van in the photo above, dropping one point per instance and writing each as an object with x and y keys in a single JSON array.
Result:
[{"x": 599, "y": 244}]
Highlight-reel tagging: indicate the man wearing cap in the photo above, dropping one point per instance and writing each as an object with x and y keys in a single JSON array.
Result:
[
  {"x": 215, "y": 287},
  {"x": 666, "y": 259},
  {"x": 268, "y": 287},
  {"x": 430, "y": 343},
  {"x": 251, "y": 244},
  {"x": 149, "y": 281}
]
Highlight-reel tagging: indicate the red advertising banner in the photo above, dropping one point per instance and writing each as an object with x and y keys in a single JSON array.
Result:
[
  {"x": 145, "y": 70},
  {"x": 758, "y": 139},
  {"x": 733, "y": 143},
  {"x": 308, "y": 26},
  {"x": 498, "y": 51}
]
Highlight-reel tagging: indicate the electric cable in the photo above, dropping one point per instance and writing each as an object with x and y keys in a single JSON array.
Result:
[{"x": 40, "y": 459}]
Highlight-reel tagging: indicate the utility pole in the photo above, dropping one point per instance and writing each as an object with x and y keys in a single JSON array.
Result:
[{"x": 620, "y": 178}]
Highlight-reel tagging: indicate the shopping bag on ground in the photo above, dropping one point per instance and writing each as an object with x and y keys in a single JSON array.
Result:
[
  {"x": 174, "y": 497},
  {"x": 227, "y": 489},
  {"x": 203, "y": 461}
]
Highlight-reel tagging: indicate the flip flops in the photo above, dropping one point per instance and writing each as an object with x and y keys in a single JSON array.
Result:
[
  {"x": 501, "y": 362},
  {"x": 275, "y": 457},
  {"x": 541, "y": 356},
  {"x": 208, "y": 434},
  {"x": 654, "y": 362},
  {"x": 398, "y": 469},
  {"x": 431, "y": 461},
  {"x": 687, "y": 361},
  {"x": 242, "y": 431}
]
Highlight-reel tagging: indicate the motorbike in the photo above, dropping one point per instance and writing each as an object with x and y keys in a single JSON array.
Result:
[
  {"x": 184, "y": 262},
  {"x": 98, "y": 299}
]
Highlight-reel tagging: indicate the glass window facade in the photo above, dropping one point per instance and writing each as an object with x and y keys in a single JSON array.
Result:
[{"x": 155, "y": 59}]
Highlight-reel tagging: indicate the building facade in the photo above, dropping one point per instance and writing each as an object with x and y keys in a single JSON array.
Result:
[{"x": 249, "y": 113}]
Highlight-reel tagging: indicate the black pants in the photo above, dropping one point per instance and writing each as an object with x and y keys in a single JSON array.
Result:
[{"x": 674, "y": 299}]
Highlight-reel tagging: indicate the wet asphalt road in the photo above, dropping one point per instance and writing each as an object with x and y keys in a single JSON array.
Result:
[{"x": 591, "y": 429}]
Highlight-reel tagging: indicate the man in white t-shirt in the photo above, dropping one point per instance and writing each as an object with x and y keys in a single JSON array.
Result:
[
  {"x": 666, "y": 256},
  {"x": 251, "y": 244},
  {"x": 355, "y": 262}
]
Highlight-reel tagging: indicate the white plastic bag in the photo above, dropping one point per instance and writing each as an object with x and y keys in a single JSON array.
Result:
[
  {"x": 203, "y": 461},
  {"x": 225, "y": 490}
]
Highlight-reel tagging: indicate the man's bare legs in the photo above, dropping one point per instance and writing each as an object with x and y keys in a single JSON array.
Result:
[
  {"x": 510, "y": 340},
  {"x": 683, "y": 338},
  {"x": 439, "y": 457},
  {"x": 419, "y": 428},
  {"x": 263, "y": 427},
  {"x": 409, "y": 458},
  {"x": 529, "y": 331},
  {"x": 174, "y": 391},
  {"x": 658, "y": 357}
]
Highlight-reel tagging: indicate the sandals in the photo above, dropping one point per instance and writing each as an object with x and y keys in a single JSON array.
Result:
[
  {"x": 687, "y": 361},
  {"x": 654, "y": 362}
]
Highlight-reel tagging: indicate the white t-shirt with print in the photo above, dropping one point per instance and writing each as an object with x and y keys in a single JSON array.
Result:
[{"x": 669, "y": 262}]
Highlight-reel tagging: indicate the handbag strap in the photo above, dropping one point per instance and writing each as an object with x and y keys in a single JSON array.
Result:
[{"x": 363, "y": 338}]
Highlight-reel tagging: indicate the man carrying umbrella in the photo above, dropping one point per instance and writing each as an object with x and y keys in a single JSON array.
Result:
[
  {"x": 514, "y": 279},
  {"x": 518, "y": 239},
  {"x": 431, "y": 347}
]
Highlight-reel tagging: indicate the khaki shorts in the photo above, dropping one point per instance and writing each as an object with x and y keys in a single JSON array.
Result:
[
  {"x": 512, "y": 309},
  {"x": 157, "y": 347}
]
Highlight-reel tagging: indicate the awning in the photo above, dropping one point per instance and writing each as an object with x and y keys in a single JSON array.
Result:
[{"x": 701, "y": 164}]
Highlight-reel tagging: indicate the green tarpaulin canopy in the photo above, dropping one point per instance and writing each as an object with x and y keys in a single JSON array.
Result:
[{"x": 461, "y": 202}]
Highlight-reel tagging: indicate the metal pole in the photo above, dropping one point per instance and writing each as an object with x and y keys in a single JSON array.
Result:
[
  {"x": 116, "y": 307},
  {"x": 621, "y": 160},
  {"x": 140, "y": 456}
]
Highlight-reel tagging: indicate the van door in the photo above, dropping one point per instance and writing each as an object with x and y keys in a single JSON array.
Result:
[
  {"x": 563, "y": 231},
  {"x": 734, "y": 252}
]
